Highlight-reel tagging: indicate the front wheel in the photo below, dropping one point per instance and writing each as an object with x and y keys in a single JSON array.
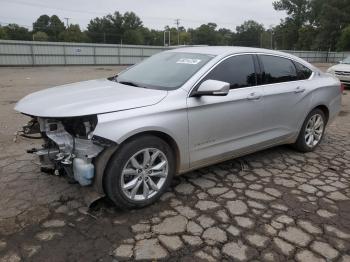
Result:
[
  {"x": 312, "y": 131},
  {"x": 139, "y": 172}
]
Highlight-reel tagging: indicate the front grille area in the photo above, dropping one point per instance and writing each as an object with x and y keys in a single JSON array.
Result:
[{"x": 342, "y": 73}]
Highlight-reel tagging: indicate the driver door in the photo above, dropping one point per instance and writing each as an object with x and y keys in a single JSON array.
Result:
[{"x": 220, "y": 126}]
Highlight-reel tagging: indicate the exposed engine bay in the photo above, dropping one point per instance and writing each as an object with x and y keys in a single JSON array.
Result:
[{"x": 69, "y": 146}]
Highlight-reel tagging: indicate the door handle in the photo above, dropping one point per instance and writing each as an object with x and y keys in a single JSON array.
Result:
[
  {"x": 253, "y": 96},
  {"x": 299, "y": 90}
]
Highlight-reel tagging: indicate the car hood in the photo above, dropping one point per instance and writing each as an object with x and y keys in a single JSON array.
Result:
[
  {"x": 87, "y": 98},
  {"x": 341, "y": 67}
]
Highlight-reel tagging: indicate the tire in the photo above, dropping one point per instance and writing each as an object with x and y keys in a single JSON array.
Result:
[
  {"x": 303, "y": 143},
  {"x": 123, "y": 172}
]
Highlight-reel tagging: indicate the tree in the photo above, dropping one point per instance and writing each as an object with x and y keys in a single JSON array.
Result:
[
  {"x": 285, "y": 35},
  {"x": 116, "y": 28},
  {"x": 132, "y": 37},
  {"x": 3, "y": 34},
  {"x": 52, "y": 26},
  {"x": 185, "y": 37},
  {"x": 331, "y": 17},
  {"x": 132, "y": 29},
  {"x": 298, "y": 12},
  {"x": 226, "y": 36},
  {"x": 344, "y": 40},
  {"x": 55, "y": 28},
  {"x": 130, "y": 21},
  {"x": 152, "y": 37},
  {"x": 249, "y": 34},
  {"x": 73, "y": 34},
  {"x": 40, "y": 36},
  {"x": 307, "y": 35},
  {"x": 312, "y": 24},
  {"x": 16, "y": 32},
  {"x": 206, "y": 34},
  {"x": 42, "y": 24}
]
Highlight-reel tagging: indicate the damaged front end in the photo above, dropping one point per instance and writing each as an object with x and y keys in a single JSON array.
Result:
[{"x": 69, "y": 148}]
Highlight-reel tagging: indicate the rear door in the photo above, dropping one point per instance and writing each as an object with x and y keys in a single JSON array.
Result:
[{"x": 285, "y": 96}]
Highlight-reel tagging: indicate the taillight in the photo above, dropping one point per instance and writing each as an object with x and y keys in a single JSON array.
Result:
[{"x": 342, "y": 87}]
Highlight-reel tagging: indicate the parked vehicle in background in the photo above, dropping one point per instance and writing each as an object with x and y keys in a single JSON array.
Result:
[
  {"x": 342, "y": 71},
  {"x": 179, "y": 110}
]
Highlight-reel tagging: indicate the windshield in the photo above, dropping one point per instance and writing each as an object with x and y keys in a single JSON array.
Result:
[
  {"x": 346, "y": 60},
  {"x": 165, "y": 71}
]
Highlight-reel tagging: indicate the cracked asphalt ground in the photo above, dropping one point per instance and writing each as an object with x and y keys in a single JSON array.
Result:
[{"x": 275, "y": 205}]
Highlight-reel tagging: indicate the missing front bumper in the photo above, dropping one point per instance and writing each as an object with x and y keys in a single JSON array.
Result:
[{"x": 63, "y": 153}]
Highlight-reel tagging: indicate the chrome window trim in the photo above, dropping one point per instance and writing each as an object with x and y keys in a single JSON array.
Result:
[{"x": 249, "y": 53}]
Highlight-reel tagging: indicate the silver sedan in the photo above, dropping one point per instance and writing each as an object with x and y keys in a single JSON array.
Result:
[{"x": 128, "y": 135}]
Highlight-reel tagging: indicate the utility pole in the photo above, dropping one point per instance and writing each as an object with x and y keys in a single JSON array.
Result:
[
  {"x": 67, "y": 21},
  {"x": 177, "y": 23},
  {"x": 164, "y": 36},
  {"x": 271, "y": 40}
]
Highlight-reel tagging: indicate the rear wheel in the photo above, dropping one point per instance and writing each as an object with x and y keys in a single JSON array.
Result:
[
  {"x": 312, "y": 131},
  {"x": 139, "y": 172}
]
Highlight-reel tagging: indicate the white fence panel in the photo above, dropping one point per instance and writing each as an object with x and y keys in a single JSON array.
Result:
[{"x": 32, "y": 53}]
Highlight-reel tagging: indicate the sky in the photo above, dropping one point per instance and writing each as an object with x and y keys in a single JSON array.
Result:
[{"x": 155, "y": 14}]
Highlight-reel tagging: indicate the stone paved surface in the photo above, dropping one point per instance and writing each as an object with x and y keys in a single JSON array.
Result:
[{"x": 276, "y": 205}]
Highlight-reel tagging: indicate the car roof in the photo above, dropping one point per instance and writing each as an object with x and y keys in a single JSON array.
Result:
[{"x": 226, "y": 50}]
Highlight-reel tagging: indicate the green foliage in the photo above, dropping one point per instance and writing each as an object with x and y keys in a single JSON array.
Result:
[
  {"x": 16, "y": 32},
  {"x": 52, "y": 26},
  {"x": 309, "y": 25},
  {"x": 250, "y": 33},
  {"x": 73, "y": 34},
  {"x": 312, "y": 24},
  {"x": 306, "y": 40},
  {"x": 55, "y": 28},
  {"x": 297, "y": 10},
  {"x": 42, "y": 24},
  {"x": 40, "y": 36},
  {"x": 206, "y": 35},
  {"x": 344, "y": 40},
  {"x": 332, "y": 17},
  {"x": 286, "y": 35},
  {"x": 152, "y": 37},
  {"x": 3, "y": 34},
  {"x": 116, "y": 28},
  {"x": 134, "y": 37}
]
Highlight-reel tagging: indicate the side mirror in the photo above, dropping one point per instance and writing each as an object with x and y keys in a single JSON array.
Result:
[
  {"x": 212, "y": 88},
  {"x": 112, "y": 78}
]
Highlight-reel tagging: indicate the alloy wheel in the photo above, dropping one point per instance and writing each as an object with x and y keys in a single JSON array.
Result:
[
  {"x": 144, "y": 174},
  {"x": 314, "y": 130}
]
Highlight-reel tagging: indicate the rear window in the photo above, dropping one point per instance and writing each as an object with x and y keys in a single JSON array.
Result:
[
  {"x": 303, "y": 72},
  {"x": 278, "y": 69}
]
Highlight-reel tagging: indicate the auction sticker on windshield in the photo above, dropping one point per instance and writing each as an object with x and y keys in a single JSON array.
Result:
[{"x": 189, "y": 61}]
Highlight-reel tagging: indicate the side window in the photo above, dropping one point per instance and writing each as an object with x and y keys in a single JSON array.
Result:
[
  {"x": 303, "y": 71},
  {"x": 238, "y": 70},
  {"x": 278, "y": 69}
]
